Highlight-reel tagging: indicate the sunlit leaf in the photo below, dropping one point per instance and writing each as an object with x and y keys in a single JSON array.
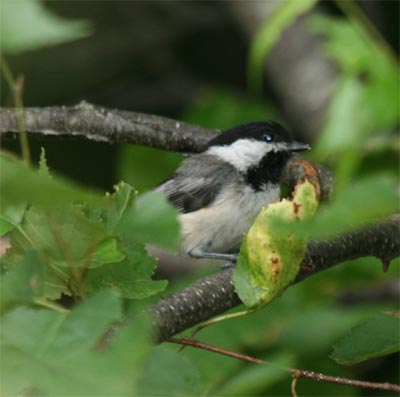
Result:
[{"x": 11, "y": 217}]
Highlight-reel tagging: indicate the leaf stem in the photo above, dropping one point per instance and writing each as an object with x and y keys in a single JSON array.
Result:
[{"x": 50, "y": 305}]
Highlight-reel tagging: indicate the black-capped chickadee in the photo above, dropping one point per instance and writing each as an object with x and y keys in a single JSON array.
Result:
[{"x": 220, "y": 191}]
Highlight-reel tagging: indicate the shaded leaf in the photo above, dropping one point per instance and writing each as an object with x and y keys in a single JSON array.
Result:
[
  {"x": 28, "y": 25},
  {"x": 20, "y": 184},
  {"x": 374, "y": 338},
  {"x": 167, "y": 373},
  {"x": 22, "y": 284},
  {"x": 223, "y": 109},
  {"x": 354, "y": 207},
  {"x": 56, "y": 357},
  {"x": 152, "y": 220},
  {"x": 282, "y": 17},
  {"x": 131, "y": 277}
]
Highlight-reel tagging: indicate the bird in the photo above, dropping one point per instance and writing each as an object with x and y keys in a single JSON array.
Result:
[{"x": 220, "y": 191}]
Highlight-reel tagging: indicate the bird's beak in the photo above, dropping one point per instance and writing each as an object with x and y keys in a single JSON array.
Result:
[{"x": 298, "y": 146}]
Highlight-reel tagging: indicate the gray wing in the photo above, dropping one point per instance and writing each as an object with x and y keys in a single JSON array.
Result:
[{"x": 197, "y": 182}]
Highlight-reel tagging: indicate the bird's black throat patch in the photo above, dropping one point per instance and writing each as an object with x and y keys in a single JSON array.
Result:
[{"x": 268, "y": 170}]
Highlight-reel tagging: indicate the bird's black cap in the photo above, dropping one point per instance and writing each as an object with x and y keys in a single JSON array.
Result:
[{"x": 255, "y": 130}]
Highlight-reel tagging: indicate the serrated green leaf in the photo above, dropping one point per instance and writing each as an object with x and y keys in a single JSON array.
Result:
[
  {"x": 57, "y": 356},
  {"x": 28, "y": 25},
  {"x": 20, "y": 184},
  {"x": 11, "y": 217},
  {"x": 43, "y": 167},
  {"x": 269, "y": 33},
  {"x": 374, "y": 338},
  {"x": 167, "y": 373},
  {"x": 130, "y": 277},
  {"x": 152, "y": 220},
  {"x": 106, "y": 252},
  {"x": 118, "y": 203},
  {"x": 66, "y": 239},
  {"x": 65, "y": 236},
  {"x": 22, "y": 284}
]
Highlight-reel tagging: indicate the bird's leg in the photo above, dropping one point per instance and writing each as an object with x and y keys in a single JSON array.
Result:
[{"x": 229, "y": 258}]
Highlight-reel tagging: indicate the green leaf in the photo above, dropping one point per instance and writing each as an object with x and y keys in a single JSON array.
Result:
[
  {"x": 168, "y": 373},
  {"x": 11, "y": 217},
  {"x": 22, "y": 284},
  {"x": 106, "y": 252},
  {"x": 130, "y": 277},
  {"x": 151, "y": 220},
  {"x": 374, "y": 338},
  {"x": 222, "y": 109},
  {"x": 366, "y": 97},
  {"x": 118, "y": 203},
  {"x": 57, "y": 356},
  {"x": 20, "y": 184},
  {"x": 269, "y": 33},
  {"x": 134, "y": 166},
  {"x": 65, "y": 236},
  {"x": 354, "y": 207},
  {"x": 28, "y": 25},
  {"x": 43, "y": 167},
  {"x": 67, "y": 241}
]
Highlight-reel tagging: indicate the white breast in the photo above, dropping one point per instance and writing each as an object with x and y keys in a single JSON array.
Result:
[{"x": 220, "y": 227}]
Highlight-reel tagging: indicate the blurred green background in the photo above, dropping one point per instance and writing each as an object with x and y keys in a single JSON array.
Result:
[{"x": 327, "y": 70}]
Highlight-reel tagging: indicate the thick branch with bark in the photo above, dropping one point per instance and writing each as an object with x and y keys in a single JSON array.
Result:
[
  {"x": 101, "y": 124},
  {"x": 215, "y": 294}
]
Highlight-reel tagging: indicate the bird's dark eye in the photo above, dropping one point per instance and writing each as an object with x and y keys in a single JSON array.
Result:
[{"x": 268, "y": 138}]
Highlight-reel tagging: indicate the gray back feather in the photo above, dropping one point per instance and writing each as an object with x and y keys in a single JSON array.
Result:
[{"x": 194, "y": 185}]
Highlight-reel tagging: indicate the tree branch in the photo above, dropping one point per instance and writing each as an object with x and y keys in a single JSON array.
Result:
[
  {"x": 100, "y": 124},
  {"x": 215, "y": 294}
]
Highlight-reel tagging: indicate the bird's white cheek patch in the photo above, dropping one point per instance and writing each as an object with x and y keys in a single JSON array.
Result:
[{"x": 242, "y": 154}]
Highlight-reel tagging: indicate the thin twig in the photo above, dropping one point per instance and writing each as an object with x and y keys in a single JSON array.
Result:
[
  {"x": 297, "y": 373},
  {"x": 16, "y": 88}
]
